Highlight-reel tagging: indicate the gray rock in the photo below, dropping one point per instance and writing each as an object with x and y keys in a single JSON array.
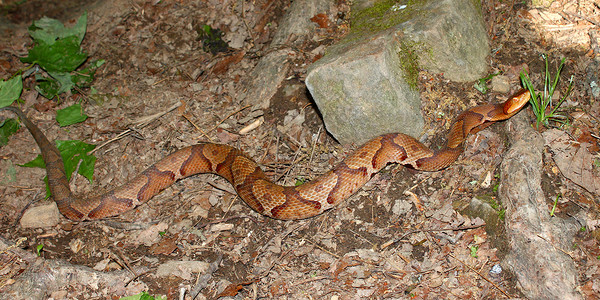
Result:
[
  {"x": 501, "y": 84},
  {"x": 182, "y": 269},
  {"x": 542, "y": 270},
  {"x": 41, "y": 216},
  {"x": 271, "y": 70},
  {"x": 365, "y": 85}
]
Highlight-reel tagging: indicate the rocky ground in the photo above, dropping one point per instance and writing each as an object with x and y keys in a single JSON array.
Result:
[{"x": 406, "y": 234}]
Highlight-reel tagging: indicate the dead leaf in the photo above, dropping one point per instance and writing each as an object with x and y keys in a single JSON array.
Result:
[
  {"x": 321, "y": 19},
  {"x": 165, "y": 246},
  {"x": 573, "y": 159},
  {"x": 223, "y": 65}
]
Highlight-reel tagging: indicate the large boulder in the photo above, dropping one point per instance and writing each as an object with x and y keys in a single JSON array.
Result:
[{"x": 365, "y": 85}]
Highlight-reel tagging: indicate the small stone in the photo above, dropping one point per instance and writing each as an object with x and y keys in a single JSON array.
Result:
[
  {"x": 182, "y": 269},
  {"x": 500, "y": 84},
  {"x": 41, "y": 216}
]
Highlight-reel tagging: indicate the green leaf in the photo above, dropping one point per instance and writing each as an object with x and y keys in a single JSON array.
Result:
[
  {"x": 65, "y": 81},
  {"x": 474, "y": 250},
  {"x": 58, "y": 83},
  {"x": 74, "y": 151},
  {"x": 70, "y": 115},
  {"x": 71, "y": 152},
  {"x": 7, "y": 128},
  {"x": 211, "y": 40},
  {"x": 48, "y": 30},
  {"x": 37, "y": 162},
  {"x": 47, "y": 86},
  {"x": 64, "y": 55},
  {"x": 84, "y": 78},
  {"x": 10, "y": 90},
  {"x": 143, "y": 296},
  {"x": 38, "y": 249}
]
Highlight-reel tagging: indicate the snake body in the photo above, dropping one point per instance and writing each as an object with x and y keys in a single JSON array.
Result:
[{"x": 253, "y": 186}]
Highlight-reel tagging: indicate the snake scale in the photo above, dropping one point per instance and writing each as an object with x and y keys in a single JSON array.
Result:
[{"x": 253, "y": 186}]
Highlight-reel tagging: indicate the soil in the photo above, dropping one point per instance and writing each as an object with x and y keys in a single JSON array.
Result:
[{"x": 387, "y": 241}]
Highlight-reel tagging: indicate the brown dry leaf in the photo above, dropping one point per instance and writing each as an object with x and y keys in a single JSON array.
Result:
[
  {"x": 574, "y": 160},
  {"x": 226, "y": 137},
  {"x": 223, "y": 65},
  {"x": 341, "y": 264},
  {"x": 165, "y": 246},
  {"x": 321, "y": 19},
  {"x": 231, "y": 290}
]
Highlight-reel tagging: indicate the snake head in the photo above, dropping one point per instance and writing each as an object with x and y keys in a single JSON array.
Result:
[{"x": 516, "y": 102}]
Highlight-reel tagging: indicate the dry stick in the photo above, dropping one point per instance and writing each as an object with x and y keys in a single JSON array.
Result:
[
  {"x": 391, "y": 242},
  {"x": 218, "y": 221},
  {"x": 141, "y": 123},
  {"x": 293, "y": 164},
  {"x": 551, "y": 244},
  {"x": 120, "y": 259},
  {"x": 196, "y": 126},
  {"x": 582, "y": 17},
  {"x": 322, "y": 249},
  {"x": 228, "y": 116},
  {"x": 262, "y": 159},
  {"x": 508, "y": 22},
  {"x": 362, "y": 238},
  {"x": 15, "y": 245},
  {"x": 485, "y": 278},
  {"x": 250, "y": 31},
  {"x": 314, "y": 145},
  {"x": 22, "y": 212}
]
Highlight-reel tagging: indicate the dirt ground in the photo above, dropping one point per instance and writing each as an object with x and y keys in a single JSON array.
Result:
[{"x": 390, "y": 240}]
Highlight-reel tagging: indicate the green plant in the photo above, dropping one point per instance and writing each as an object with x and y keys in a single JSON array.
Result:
[
  {"x": 211, "y": 39},
  {"x": 481, "y": 84},
  {"x": 57, "y": 51},
  {"x": 473, "y": 249},
  {"x": 143, "y": 296},
  {"x": 497, "y": 207},
  {"x": 75, "y": 158},
  {"x": 541, "y": 102},
  {"x": 554, "y": 206},
  {"x": 38, "y": 249}
]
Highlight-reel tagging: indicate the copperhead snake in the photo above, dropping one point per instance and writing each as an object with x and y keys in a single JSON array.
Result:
[{"x": 253, "y": 186}]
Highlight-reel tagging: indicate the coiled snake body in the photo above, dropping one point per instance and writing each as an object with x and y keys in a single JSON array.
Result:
[{"x": 252, "y": 185}]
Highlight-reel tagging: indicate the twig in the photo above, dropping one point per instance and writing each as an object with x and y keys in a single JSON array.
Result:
[
  {"x": 226, "y": 220},
  {"x": 292, "y": 164},
  {"x": 551, "y": 244},
  {"x": 508, "y": 22},
  {"x": 122, "y": 261},
  {"x": 196, "y": 126},
  {"x": 323, "y": 249},
  {"x": 141, "y": 123},
  {"x": 22, "y": 212},
  {"x": 15, "y": 245},
  {"x": 250, "y": 31},
  {"x": 262, "y": 159},
  {"x": 314, "y": 144},
  {"x": 485, "y": 278},
  {"x": 582, "y": 17},
  {"x": 228, "y": 116},
  {"x": 391, "y": 242},
  {"x": 415, "y": 198}
]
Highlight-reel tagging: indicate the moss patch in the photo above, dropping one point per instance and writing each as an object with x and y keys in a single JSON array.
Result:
[
  {"x": 409, "y": 62},
  {"x": 382, "y": 15}
]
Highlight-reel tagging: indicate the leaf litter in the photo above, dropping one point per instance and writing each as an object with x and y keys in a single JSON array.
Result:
[{"x": 153, "y": 61}]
